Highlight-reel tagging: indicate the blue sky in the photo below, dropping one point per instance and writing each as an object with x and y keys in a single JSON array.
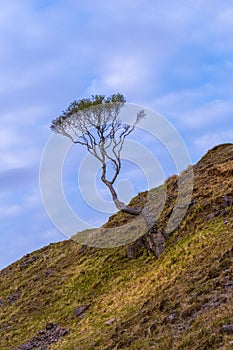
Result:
[{"x": 175, "y": 57}]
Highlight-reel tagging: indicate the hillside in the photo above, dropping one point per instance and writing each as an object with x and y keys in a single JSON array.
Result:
[{"x": 65, "y": 296}]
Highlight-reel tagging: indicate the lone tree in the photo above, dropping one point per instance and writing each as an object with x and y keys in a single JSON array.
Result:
[{"x": 94, "y": 122}]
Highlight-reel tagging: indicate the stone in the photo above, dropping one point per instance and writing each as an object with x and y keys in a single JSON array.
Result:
[
  {"x": 109, "y": 322},
  {"x": 83, "y": 249},
  {"x": 227, "y": 328},
  {"x": 227, "y": 200},
  {"x": 28, "y": 260},
  {"x": 172, "y": 317},
  {"x": 48, "y": 272},
  {"x": 135, "y": 249},
  {"x": 13, "y": 297},
  {"x": 80, "y": 310},
  {"x": 49, "y": 326},
  {"x": 229, "y": 284},
  {"x": 210, "y": 216}
]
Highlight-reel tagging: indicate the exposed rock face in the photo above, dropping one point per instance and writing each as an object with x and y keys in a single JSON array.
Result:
[{"x": 213, "y": 173}]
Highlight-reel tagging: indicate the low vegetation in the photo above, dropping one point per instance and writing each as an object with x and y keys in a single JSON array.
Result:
[{"x": 101, "y": 299}]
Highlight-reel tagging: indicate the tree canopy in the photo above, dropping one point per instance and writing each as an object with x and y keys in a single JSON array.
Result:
[{"x": 95, "y": 123}]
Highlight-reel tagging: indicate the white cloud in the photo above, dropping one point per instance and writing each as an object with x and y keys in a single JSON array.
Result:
[
  {"x": 27, "y": 116},
  {"x": 7, "y": 136},
  {"x": 33, "y": 200},
  {"x": 195, "y": 108},
  {"x": 21, "y": 136},
  {"x": 10, "y": 211},
  {"x": 122, "y": 72},
  {"x": 181, "y": 100},
  {"x": 208, "y": 114},
  {"x": 207, "y": 141},
  {"x": 51, "y": 235}
]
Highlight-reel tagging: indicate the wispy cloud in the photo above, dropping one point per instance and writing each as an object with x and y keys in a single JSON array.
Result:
[
  {"x": 209, "y": 140},
  {"x": 10, "y": 211},
  {"x": 126, "y": 71}
]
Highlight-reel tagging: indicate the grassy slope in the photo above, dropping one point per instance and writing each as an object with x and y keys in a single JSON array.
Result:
[{"x": 179, "y": 301}]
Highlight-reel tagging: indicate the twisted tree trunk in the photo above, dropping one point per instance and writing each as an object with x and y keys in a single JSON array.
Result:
[{"x": 153, "y": 239}]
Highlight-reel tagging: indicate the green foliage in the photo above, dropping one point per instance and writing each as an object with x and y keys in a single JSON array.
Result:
[
  {"x": 95, "y": 100},
  {"x": 87, "y": 103}
]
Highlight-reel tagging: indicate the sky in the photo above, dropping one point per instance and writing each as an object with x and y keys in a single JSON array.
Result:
[{"x": 173, "y": 57}]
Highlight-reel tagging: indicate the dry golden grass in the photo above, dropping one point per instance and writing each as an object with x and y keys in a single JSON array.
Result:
[{"x": 179, "y": 301}]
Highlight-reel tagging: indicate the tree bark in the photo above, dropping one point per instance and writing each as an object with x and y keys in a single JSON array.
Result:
[
  {"x": 153, "y": 239},
  {"x": 120, "y": 205}
]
